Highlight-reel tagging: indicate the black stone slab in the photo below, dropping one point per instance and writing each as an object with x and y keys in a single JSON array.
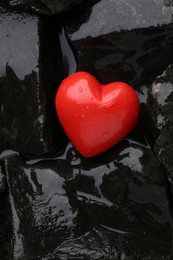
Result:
[
  {"x": 106, "y": 16},
  {"x": 6, "y": 231},
  {"x": 113, "y": 205},
  {"x": 48, "y": 7},
  {"x": 30, "y": 72},
  {"x": 135, "y": 56},
  {"x": 160, "y": 110}
]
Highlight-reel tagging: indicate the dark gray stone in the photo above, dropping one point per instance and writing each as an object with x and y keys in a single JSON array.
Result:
[
  {"x": 107, "y": 16},
  {"x": 114, "y": 206},
  {"x": 2, "y": 181},
  {"x": 30, "y": 72},
  {"x": 41, "y": 211},
  {"x": 160, "y": 100},
  {"x": 48, "y": 7},
  {"x": 6, "y": 233},
  {"x": 160, "y": 110},
  {"x": 136, "y": 56},
  {"x": 5, "y": 217},
  {"x": 111, "y": 206}
]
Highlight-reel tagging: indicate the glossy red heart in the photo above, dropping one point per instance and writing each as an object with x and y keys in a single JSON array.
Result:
[{"x": 95, "y": 117}]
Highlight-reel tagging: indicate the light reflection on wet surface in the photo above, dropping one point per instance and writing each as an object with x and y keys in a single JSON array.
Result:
[{"x": 112, "y": 205}]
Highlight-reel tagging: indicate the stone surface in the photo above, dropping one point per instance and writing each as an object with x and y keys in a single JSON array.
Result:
[
  {"x": 69, "y": 207},
  {"x": 2, "y": 182},
  {"x": 5, "y": 217},
  {"x": 136, "y": 56},
  {"x": 116, "y": 205},
  {"x": 48, "y": 7},
  {"x": 108, "y": 16},
  {"x": 29, "y": 78},
  {"x": 160, "y": 109},
  {"x": 6, "y": 231}
]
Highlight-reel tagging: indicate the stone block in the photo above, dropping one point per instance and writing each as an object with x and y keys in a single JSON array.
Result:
[{"x": 30, "y": 72}]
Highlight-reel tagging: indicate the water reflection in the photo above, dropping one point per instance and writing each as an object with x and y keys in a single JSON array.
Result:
[
  {"x": 122, "y": 192},
  {"x": 69, "y": 61}
]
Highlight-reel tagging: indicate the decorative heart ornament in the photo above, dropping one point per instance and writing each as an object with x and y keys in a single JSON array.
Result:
[{"x": 95, "y": 117}]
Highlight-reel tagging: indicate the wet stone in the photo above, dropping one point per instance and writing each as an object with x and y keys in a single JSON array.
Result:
[
  {"x": 2, "y": 181},
  {"x": 47, "y": 7},
  {"x": 160, "y": 110},
  {"x": 160, "y": 100},
  {"x": 29, "y": 77},
  {"x": 111, "y": 206},
  {"x": 107, "y": 16},
  {"x": 5, "y": 218},
  {"x": 6, "y": 231},
  {"x": 43, "y": 213},
  {"x": 136, "y": 56}
]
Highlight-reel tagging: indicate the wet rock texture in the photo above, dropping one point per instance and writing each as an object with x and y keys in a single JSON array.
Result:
[
  {"x": 27, "y": 116},
  {"x": 160, "y": 109},
  {"x": 48, "y": 7},
  {"x": 55, "y": 204},
  {"x": 113, "y": 16},
  {"x": 90, "y": 209}
]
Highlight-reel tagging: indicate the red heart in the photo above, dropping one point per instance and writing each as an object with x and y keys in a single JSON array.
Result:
[{"x": 95, "y": 117}]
